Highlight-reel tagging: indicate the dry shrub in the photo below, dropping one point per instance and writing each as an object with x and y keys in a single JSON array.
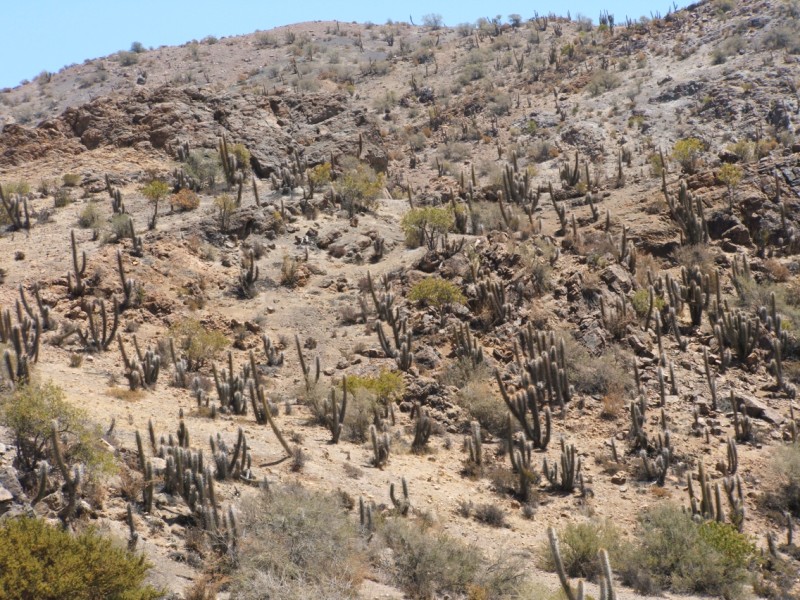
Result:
[
  {"x": 203, "y": 588},
  {"x": 289, "y": 274},
  {"x": 185, "y": 199},
  {"x": 297, "y": 544},
  {"x": 646, "y": 262},
  {"x": 580, "y": 543},
  {"x": 429, "y": 564},
  {"x": 361, "y": 406},
  {"x": 777, "y": 271},
  {"x": 699, "y": 255},
  {"x": 786, "y": 495},
  {"x": 608, "y": 372},
  {"x": 613, "y": 404},
  {"x": 484, "y": 404},
  {"x": 490, "y": 514}
]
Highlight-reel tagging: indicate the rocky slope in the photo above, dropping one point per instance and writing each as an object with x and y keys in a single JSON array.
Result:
[{"x": 606, "y": 184}]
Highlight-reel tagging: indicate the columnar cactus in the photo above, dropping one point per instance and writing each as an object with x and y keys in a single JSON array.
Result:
[
  {"x": 520, "y": 404},
  {"x": 248, "y": 276},
  {"x": 687, "y": 212},
  {"x": 380, "y": 447},
  {"x": 231, "y": 387},
  {"x": 99, "y": 336},
  {"x": 401, "y": 504},
  {"x": 570, "y": 468},
  {"x": 466, "y": 346},
  {"x": 422, "y": 431},
  {"x": 520, "y": 455},
  {"x": 742, "y": 425},
  {"x": 310, "y": 380},
  {"x": 76, "y": 287},
  {"x": 335, "y": 413},
  {"x": 44, "y": 313},
  {"x": 474, "y": 444},
  {"x": 274, "y": 358},
  {"x": 17, "y": 210},
  {"x": 130, "y": 288}
]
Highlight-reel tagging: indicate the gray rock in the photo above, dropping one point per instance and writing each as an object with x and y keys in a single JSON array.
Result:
[
  {"x": 9, "y": 481},
  {"x": 759, "y": 410}
]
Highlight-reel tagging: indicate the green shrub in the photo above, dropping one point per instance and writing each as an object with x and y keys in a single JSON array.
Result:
[
  {"x": 319, "y": 175},
  {"x": 641, "y": 302},
  {"x": 120, "y": 228},
  {"x": 40, "y": 561},
  {"x": 297, "y": 544},
  {"x": 204, "y": 166},
  {"x": 656, "y": 164},
  {"x": 426, "y": 225},
  {"x": 290, "y": 275},
  {"x": 388, "y": 385},
  {"x": 673, "y": 552},
  {"x": 360, "y": 414},
  {"x": 21, "y": 188},
  {"x": 608, "y": 372},
  {"x": 242, "y": 155},
  {"x": 484, "y": 405},
  {"x": 580, "y": 543},
  {"x": 71, "y": 179},
  {"x": 199, "y": 344},
  {"x": 687, "y": 152},
  {"x": 436, "y": 292}
]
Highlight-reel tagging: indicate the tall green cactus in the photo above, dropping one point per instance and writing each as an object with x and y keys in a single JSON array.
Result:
[
  {"x": 380, "y": 447},
  {"x": 335, "y": 413}
]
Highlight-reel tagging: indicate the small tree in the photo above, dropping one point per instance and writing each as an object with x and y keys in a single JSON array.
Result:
[
  {"x": 426, "y": 225},
  {"x": 30, "y": 411},
  {"x": 731, "y": 175},
  {"x": 155, "y": 191},
  {"x": 687, "y": 152},
  {"x": 359, "y": 186},
  {"x": 433, "y": 20},
  {"x": 317, "y": 177},
  {"x": 225, "y": 204}
]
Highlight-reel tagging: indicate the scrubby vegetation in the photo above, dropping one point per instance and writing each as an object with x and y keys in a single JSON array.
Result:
[{"x": 415, "y": 285}]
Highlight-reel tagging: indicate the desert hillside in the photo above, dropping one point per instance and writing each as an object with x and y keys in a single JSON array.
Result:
[{"x": 346, "y": 310}]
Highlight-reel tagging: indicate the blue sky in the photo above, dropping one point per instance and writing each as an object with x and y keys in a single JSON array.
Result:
[{"x": 49, "y": 34}]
